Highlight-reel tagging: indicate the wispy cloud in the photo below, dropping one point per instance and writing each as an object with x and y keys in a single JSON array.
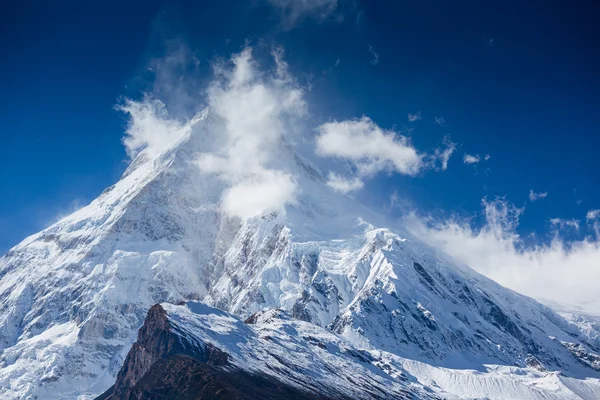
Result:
[
  {"x": 593, "y": 218},
  {"x": 475, "y": 158},
  {"x": 471, "y": 159},
  {"x": 559, "y": 270},
  {"x": 564, "y": 223},
  {"x": 443, "y": 154},
  {"x": 160, "y": 119},
  {"x": 335, "y": 65},
  {"x": 292, "y": 11},
  {"x": 74, "y": 205},
  {"x": 150, "y": 127},
  {"x": 375, "y": 59},
  {"x": 344, "y": 185},
  {"x": 533, "y": 196},
  {"x": 593, "y": 215},
  {"x": 414, "y": 117},
  {"x": 439, "y": 121}
]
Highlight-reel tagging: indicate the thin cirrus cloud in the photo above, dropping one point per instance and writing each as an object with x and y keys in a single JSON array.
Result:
[
  {"x": 560, "y": 223},
  {"x": 292, "y": 11},
  {"x": 375, "y": 59},
  {"x": 414, "y": 117},
  {"x": 533, "y": 196},
  {"x": 444, "y": 154},
  {"x": 342, "y": 184},
  {"x": 562, "y": 271}
]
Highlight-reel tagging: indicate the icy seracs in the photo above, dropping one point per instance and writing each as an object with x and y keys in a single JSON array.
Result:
[{"x": 73, "y": 296}]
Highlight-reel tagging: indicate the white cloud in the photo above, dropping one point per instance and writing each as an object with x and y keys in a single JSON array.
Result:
[
  {"x": 562, "y": 271},
  {"x": 471, "y": 159},
  {"x": 533, "y": 196},
  {"x": 474, "y": 158},
  {"x": 592, "y": 215},
  {"x": 439, "y": 121},
  {"x": 344, "y": 185},
  {"x": 371, "y": 148},
  {"x": 150, "y": 127},
  {"x": 292, "y": 11},
  {"x": 444, "y": 155},
  {"x": 260, "y": 193},
  {"x": 565, "y": 223},
  {"x": 257, "y": 109},
  {"x": 414, "y": 117},
  {"x": 375, "y": 59},
  {"x": 593, "y": 218},
  {"x": 159, "y": 120}
]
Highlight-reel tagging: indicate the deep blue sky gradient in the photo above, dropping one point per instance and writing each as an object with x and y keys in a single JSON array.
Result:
[{"x": 518, "y": 81}]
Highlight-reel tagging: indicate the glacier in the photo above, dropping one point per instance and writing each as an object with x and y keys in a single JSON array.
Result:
[{"x": 73, "y": 296}]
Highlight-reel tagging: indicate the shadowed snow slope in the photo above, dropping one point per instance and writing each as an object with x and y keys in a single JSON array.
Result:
[{"x": 73, "y": 296}]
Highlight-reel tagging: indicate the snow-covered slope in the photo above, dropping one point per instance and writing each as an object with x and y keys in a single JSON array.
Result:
[
  {"x": 185, "y": 349},
  {"x": 73, "y": 296},
  {"x": 270, "y": 347}
]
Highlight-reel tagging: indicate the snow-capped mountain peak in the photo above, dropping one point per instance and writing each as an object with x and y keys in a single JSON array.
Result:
[{"x": 73, "y": 296}]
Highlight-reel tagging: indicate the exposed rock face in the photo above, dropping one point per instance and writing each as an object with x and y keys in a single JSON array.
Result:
[
  {"x": 170, "y": 361},
  {"x": 183, "y": 377},
  {"x": 584, "y": 355},
  {"x": 157, "y": 344}
]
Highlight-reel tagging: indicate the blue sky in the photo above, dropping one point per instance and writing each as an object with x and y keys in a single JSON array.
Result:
[{"x": 516, "y": 81}]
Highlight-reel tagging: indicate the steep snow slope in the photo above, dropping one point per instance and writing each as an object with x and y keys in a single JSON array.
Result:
[{"x": 73, "y": 296}]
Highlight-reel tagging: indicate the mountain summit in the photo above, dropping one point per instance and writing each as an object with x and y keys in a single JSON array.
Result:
[{"x": 74, "y": 295}]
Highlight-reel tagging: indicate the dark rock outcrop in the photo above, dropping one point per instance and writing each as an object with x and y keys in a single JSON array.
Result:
[{"x": 161, "y": 365}]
